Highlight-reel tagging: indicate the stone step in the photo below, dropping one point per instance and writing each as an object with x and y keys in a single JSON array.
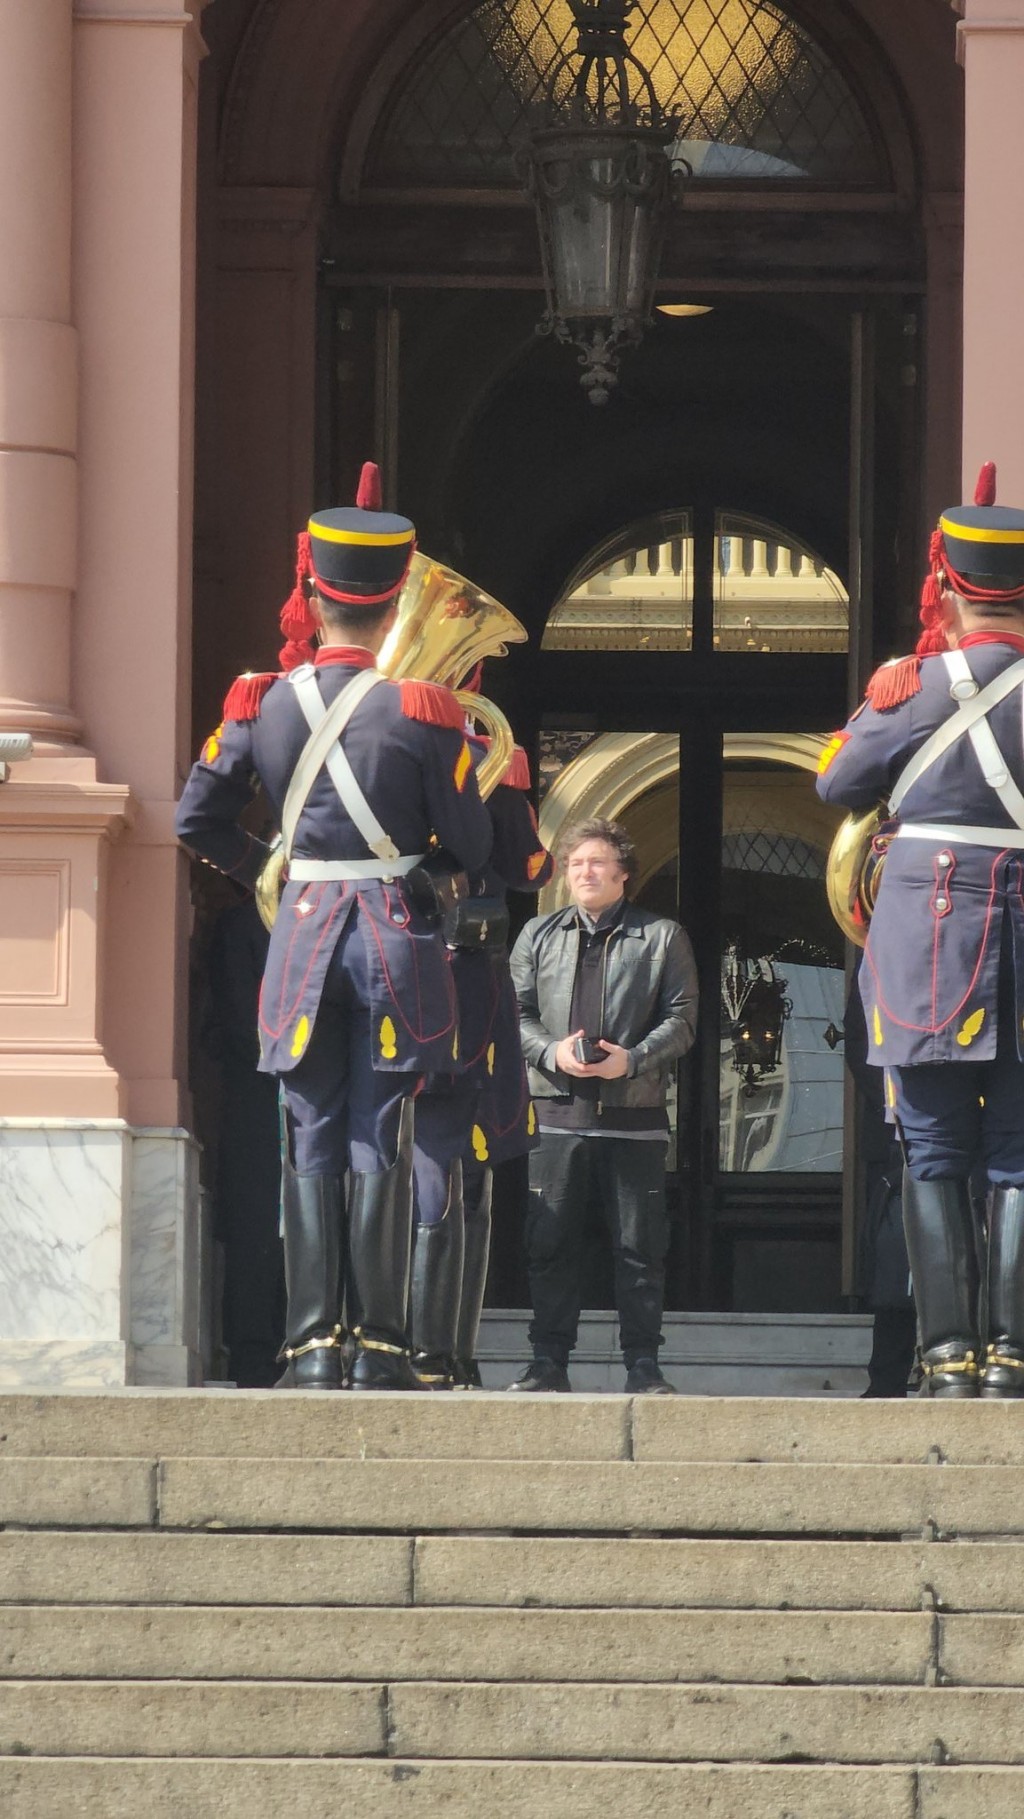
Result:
[
  {"x": 402, "y": 1495},
  {"x": 461, "y": 1722},
  {"x": 147, "y": 1642},
  {"x": 422, "y": 1496},
  {"x": 225, "y": 1424},
  {"x": 634, "y": 1572},
  {"x": 83, "y": 1567},
  {"x": 191, "y": 1718},
  {"x": 831, "y": 1724},
  {"x": 122, "y": 1788}
]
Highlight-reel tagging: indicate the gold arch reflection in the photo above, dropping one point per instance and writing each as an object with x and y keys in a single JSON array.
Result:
[{"x": 634, "y": 778}]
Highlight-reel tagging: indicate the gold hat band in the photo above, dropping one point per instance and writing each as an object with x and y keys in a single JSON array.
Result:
[
  {"x": 327, "y": 534},
  {"x": 972, "y": 533}
]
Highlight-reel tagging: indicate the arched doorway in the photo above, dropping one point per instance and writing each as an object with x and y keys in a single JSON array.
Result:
[
  {"x": 365, "y": 294},
  {"x": 732, "y": 838}
]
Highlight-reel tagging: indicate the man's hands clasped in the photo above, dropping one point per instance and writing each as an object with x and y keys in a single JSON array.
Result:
[{"x": 614, "y": 1067}]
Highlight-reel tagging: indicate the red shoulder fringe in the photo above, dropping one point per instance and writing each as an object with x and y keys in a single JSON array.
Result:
[
  {"x": 894, "y": 683},
  {"x": 518, "y": 774},
  {"x": 434, "y": 705},
  {"x": 245, "y": 696}
]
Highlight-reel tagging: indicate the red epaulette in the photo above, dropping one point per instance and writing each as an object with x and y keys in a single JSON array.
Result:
[
  {"x": 894, "y": 683},
  {"x": 518, "y": 774},
  {"x": 245, "y": 696},
  {"x": 434, "y": 705}
]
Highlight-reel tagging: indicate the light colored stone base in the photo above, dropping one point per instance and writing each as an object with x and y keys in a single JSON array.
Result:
[{"x": 101, "y": 1255}]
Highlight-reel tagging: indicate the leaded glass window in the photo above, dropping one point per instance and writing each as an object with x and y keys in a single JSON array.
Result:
[{"x": 758, "y": 99}]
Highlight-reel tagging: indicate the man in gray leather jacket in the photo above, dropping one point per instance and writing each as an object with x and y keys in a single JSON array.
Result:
[{"x": 622, "y": 980}]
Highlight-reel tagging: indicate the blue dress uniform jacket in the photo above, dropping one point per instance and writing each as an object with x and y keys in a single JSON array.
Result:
[
  {"x": 419, "y": 780},
  {"x": 930, "y": 980},
  {"x": 485, "y": 1115},
  {"x": 505, "y": 1125}
]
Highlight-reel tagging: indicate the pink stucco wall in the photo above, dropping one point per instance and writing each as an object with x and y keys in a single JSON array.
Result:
[
  {"x": 991, "y": 47},
  {"x": 97, "y": 154}
]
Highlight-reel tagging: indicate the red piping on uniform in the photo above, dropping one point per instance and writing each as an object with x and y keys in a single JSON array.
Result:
[
  {"x": 424, "y": 1035},
  {"x": 923, "y": 1029}
]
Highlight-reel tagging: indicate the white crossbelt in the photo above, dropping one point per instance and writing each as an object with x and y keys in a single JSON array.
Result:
[
  {"x": 948, "y": 835},
  {"x": 323, "y": 748},
  {"x": 317, "y": 871},
  {"x": 969, "y": 721}
]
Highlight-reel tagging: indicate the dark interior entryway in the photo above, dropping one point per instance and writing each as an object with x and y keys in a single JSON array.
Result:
[{"x": 773, "y": 431}]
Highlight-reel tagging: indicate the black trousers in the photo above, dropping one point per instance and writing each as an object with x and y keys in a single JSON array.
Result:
[{"x": 627, "y": 1177}]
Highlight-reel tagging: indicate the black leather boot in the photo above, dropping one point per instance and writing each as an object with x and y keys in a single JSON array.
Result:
[
  {"x": 1003, "y": 1374},
  {"x": 939, "y": 1224},
  {"x": 380, "y": 1239},
  {"x": 474, "y": 1279},
  {"x": 311, "y": 1205},
  {"x": 437, "y": 1253}
]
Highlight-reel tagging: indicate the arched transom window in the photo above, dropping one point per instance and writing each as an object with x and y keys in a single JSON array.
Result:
[
  {"x": 757, "y": 97},
  {"x": 772, "y": 592}
]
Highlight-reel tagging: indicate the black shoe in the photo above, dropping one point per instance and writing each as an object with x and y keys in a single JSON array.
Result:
[
  {"x": 382, "y": 1367},
  {"x": 950, "y": 1372},
  {"x": 433, "y": 1371},
  {"x": 316, "y": 1365},
  {"x": 1003, "y": 1373},
  {"x": 644, "y": 1378},
  {"x": 467, "y": 1375},
  {"x": 543, "y": 1376}
]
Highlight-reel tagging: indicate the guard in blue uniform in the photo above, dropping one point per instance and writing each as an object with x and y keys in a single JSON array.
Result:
[
  {"x": 358, "y": 1000},
  {"x": 467, "y": 1124},
  {"x": 941, "y": 737}
]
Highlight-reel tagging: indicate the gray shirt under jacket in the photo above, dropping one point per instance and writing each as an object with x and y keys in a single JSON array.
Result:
[{"x": 647, "y": 1004}]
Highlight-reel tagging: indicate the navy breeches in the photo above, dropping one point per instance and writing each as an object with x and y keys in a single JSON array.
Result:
[
  {"x": 342, "y": 1112},
  {"x": 963, "y": 1118},
  {"x": 444, "y": 1121}
]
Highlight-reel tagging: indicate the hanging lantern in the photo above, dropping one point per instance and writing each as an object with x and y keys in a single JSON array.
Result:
[
  {"x": 756, "y": 1010},
  {"x": 597, "y": 168}
]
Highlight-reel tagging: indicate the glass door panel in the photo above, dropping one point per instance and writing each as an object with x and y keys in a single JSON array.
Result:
[
  {"x": 634, "y": 594},
  {"x": 772, "y": 593},
  {"x": 782, "y": 969}
]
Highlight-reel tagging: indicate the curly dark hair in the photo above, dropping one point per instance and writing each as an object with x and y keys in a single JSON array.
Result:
[{"x": 597, "y": 828}]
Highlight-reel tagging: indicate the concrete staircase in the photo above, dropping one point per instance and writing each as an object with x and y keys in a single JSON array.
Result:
[{"x": 258, "y": 1604}]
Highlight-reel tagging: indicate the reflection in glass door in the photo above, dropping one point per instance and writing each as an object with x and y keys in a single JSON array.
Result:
[{"x": 782, "y": 958}]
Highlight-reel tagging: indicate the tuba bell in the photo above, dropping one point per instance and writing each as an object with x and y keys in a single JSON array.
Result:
[
  {"x": 445, "y": 626},
  {"x": 853, "y": 871}
]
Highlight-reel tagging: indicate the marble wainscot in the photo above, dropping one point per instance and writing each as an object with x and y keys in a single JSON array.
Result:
[{"x": 102, "y": 1255}]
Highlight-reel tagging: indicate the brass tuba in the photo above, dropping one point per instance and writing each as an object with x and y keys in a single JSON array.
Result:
[
  {"x": 853, "y": 871},
  {"x": 445, "y": 626}
]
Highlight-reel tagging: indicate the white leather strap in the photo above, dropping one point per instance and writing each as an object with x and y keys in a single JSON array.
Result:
[
  {"x": 970, "y": 713},
  {"x": 948, "y": 835},
  {"x": 319, "y": 871},
  {"x": 326, "y": 725}
]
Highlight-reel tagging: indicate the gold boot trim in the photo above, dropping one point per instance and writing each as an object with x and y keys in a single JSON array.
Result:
[
  {"x": 992, "y": 1356},
  {"x": 378, "y": 1345},
  {"x": 332, "y": 1343},
  {"x": 966, "y": 1366}
]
